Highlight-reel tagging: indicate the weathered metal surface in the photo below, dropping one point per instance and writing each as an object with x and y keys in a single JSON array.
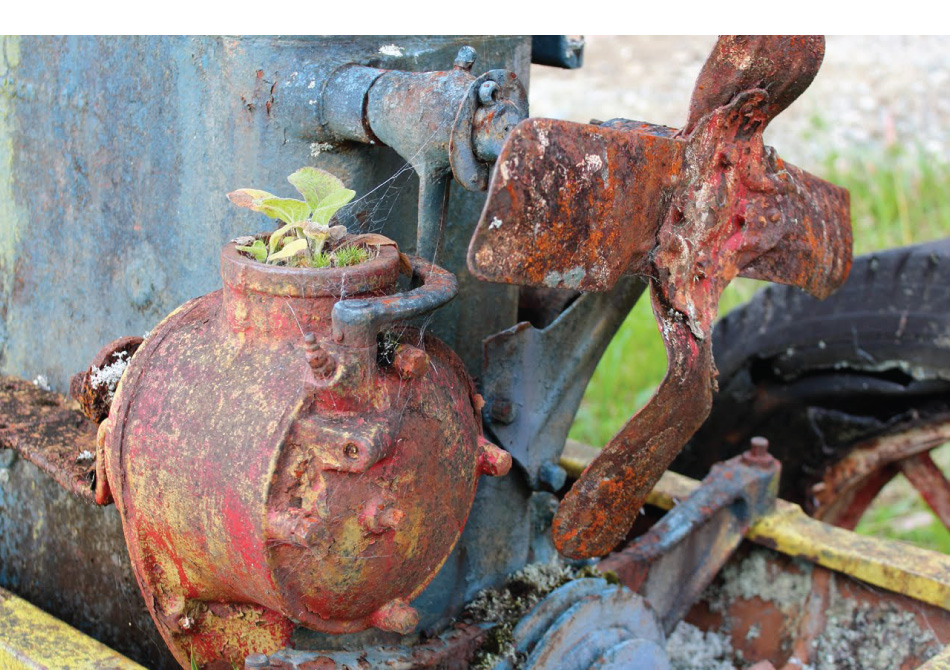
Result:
[
  {"x": 895, "y": 566},
  {"x": 578, "y": 206},
  {"x": 93, "y": 395},
  {"x": 674, "y": 561},
  {"x": 594, "y": 631},
  {"x": 451, "y": 650},
  {"x": 520, "y": 368},
  {"x": 939, "y": 662},
  {"x": 925, "y": 476},
  {"x": 32, "y": 638},
  {"x": 850, "y": 485},
  {"x": 564, "y": 51},
  {"x": 269, "y": 471},
  {"x": 795, "y": 614},
  {"x": 602, "y": 505},
  {"x": 444, "y": 124},
  {"x": 42, "y": 427},
  {"x": 127, "y": 141}
]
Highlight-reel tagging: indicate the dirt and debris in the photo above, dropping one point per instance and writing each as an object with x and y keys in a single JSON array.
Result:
[
  {"x": 109, "y": 375},
  {"x": 505, "y": 606},
  {"x": 689, "y": 648},
  {"x": 858, "y": 636}
]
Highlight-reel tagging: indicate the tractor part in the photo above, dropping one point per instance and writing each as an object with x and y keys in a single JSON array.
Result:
[
  {"x": 578, "y": 206},
  {"x": 269, "y": 471},
  {"x": 850, "y": 390},
  {"x": 833, "y": 572},
  {"x": 445, "y": 124},
  {"x": 592, "y": 623}
]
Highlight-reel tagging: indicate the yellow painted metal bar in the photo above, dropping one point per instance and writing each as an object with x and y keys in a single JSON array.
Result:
[
  {"x": 896, "y": 566},
  {"x": 31, "y": 638},
  {"x": 939, "y": 662}
]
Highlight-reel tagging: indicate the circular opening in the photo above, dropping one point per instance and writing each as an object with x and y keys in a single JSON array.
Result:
[{"x": 372, "y": 276}]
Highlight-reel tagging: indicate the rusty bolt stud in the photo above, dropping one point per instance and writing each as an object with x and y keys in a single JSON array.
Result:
[
  {"x": 465, "y": 59},
  {"x": 503, "y": 411},
  {"x": 758, "y": 454},
  {"x": 377, "y": 518},
  {"x": 187, "y": 623},
  {"x": 320, "y": 361},
  {"x": 256, "y": 662},
  {"x": 493, "y": 461},
  {"x": 396, "y": 616},
  {"x": 410, "y": 362},
  {"x": 308, "y": 530}
]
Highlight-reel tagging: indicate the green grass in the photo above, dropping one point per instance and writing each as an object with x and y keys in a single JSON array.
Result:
[{"x": 897, "y": 198}]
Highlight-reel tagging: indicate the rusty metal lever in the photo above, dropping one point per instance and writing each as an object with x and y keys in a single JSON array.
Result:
[{"x": 579, "y": 206}]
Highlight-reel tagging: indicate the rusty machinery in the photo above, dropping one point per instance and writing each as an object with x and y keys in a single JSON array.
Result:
[{"x": 290, "y": 498}]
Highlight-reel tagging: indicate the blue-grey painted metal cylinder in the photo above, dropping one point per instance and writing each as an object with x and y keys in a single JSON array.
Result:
[{"x": 115, "y": 158}]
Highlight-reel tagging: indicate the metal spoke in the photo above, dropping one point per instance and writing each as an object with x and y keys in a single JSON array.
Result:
[{"x": 930, "y": 482}]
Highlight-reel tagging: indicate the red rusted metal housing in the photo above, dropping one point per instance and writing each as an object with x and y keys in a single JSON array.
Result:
[{"x": 269, "y": 470}]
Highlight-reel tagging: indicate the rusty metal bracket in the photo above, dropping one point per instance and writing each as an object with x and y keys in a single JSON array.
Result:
[
  {"x": 42, "y": 428},
  {"x": 673, "y": 562},
  {"x": 579, "y": 206},
  {"x": 519, "y": 368}
]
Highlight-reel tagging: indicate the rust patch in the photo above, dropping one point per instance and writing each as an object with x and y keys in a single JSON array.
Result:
[
  {"x": 45, "y": 430},
  {"x": 578, "y": 206}
]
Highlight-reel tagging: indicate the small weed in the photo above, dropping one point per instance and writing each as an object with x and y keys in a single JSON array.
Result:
[
  {"x": 305, "y": 230},
  {"x": 321, "y": 260},
  {"x": 346, "y": 256}
]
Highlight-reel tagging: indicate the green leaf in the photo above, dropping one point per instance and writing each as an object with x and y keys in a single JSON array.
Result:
[
  {"x": 280, "y": 232},
  {"x": 258, "y": 250},
  {"x": 287, "y": 210},
  {"x": 249, "y": 197},
  {"x": 289, "y": 251},
  {"x": 317, "y": 240},
  {"x": 323, "y": 212},
  {"x": 315, "y": 184}
]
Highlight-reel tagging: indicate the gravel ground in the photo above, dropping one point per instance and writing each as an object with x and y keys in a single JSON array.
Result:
[{"x": 870, "y": 93}]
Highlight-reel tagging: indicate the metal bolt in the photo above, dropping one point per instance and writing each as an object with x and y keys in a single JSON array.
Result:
[
  {"x": 410, "y": 362},
  {"x": 503, "y": 411},
  {"x": 351, "y": 450},
  {"x": 465, "y": 58},
  {"x": 758, "y": 454},
  {"x": 256, "y": 662},
  {"x": 488, "y": 92}
]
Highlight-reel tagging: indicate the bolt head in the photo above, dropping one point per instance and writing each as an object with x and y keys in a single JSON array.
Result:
[
  {"x": 488, "y": 92},
  {"x": 410, "y": 362},
  {"x": 503, "y": 411}
]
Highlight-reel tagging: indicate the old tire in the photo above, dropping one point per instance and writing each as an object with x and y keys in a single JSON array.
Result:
[{"x": 820, "y": 379}]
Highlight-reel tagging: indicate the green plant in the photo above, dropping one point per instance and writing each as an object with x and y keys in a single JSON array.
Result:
[
  {"x": 350, "y": 256},
  {"x": 305, "y": 231}
]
